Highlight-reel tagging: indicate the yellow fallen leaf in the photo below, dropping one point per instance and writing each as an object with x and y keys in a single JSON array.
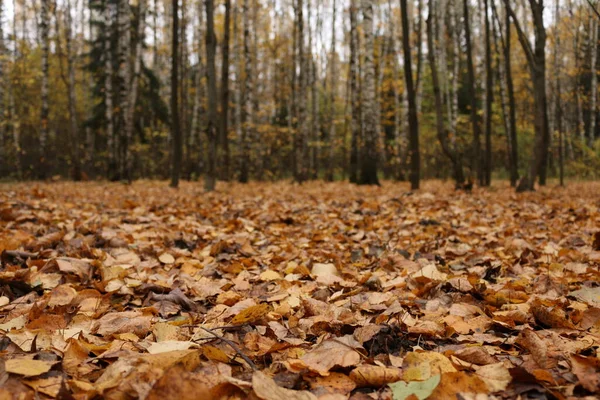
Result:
[
  {"x": 251, "y": 314},
  {"x": 166, "y": 258},
  {"x": 495, "y": 376},
  {"x": 420, "y": 366},
  {"x": 375, "y": 375},
  {"x": 270, "y": 275},
  {"x": 27, "y": 367},
  {"x": 265, "y": 388}
]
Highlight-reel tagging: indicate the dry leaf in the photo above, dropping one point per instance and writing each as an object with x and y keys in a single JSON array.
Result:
[
  {"x": 265, "y": 388},
  {"x": 251, "y": 314},
  {"x": 375, "y": 375},
  {"x": 27, "y": 366},
  {"x": 420, "y": 366}
]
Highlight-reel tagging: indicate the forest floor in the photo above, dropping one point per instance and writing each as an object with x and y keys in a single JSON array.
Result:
[{"x": 272, "y": 291}]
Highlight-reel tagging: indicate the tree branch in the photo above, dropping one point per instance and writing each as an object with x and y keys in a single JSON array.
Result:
[
  {"x": 593, "y": 7},
  {"x": 522, "y": 37}
]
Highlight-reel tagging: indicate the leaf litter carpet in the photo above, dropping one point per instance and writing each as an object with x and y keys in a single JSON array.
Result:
[{"x": 321, "y": 291}]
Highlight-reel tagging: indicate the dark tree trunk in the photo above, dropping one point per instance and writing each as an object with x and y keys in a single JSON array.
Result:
[
  {"x": 489, "y": 98},
  {"x": 476, "y": 150},
  {"x": 225, "y": 92},
  {"x": 413, "y": 123},
  {"x": 210, "y": 178},
  {"x": 175, "y": 131},
  {"x": 442, "y": 134},
  {"x": 536, "y": 60},
  {"x": 512, "y": 120},
  {"x": 369, "y": 156},
  {"x": 354, "y": 96}
]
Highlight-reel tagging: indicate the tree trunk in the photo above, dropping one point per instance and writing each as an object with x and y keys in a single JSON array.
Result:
[
  {"x": 134, "y": 86},
  {"x": 108, "y": 93},
  {"x": 514, "y": 149},
  {"x": 211, "y": 78},
  {"x": 225, "y": 92},
  {"x": 489, "y": 98},
  {"x": 476, "y": 164},
  {"x": 301, "y": 143},
  {"x": 536, "y": 60},
  {"x": 354, "y": 96},
  {"x": 557, "y": 97},
  {"x": 333, "y": 88},
  {"x": 3, "y": 137},
  {"x": 594, "y": 79},
  {"x": 175, "y": 130},
  {"x": 413, "y": 122},
  {"x": 247, "y": 115},
  {"x": 76, "y": 149},
  {"x": 45, "y": 42},
  {"x": 368, "y": 162},
  {"x": 196, "y": 142},
  {"x": 237, "y": 62},
  {"x": 506, "y": 91},
  {"x": 124, "y": 43},
  {"x": 439, "y": 113}
]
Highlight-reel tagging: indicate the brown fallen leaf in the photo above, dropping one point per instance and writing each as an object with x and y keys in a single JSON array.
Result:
[
  {"x": 587, "y": 371},
  {"x": 375, "y": 375},
  {"x": 496, "y": 376},
  {"x": 49, "y": 386},
  {"x": 265, "y": 388},
  {"x": 334, "y": 383},
  {"x": 551, "y": 316},
  {"x": 135, "y": 322},
  {"x": 420, "y": 366},
  {"x": 251, "y": 314},
  {"x": 453, "y": 384},
  {"x": 177, "y": 383},
  {"x": 333, "y": 352},
  {"x": 536, "y": 346},
  {"x": 27, "y": 366},
  {"x": 475, "y": 355}
]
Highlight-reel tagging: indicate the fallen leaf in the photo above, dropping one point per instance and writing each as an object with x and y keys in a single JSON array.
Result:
[
  {"x": 265, "y": 388},
  {"x": 27, "y": 366},
  {"x": 496, "y": 376},
  {"x": 375, "y": 375},
  {"x": 166, "y": 258},
  {"x": 251, "y": 314},
  {"x": 420, "y": 366},
  {"x": 420, "y": 390}
]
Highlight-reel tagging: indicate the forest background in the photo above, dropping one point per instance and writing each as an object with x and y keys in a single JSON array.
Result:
[{"x": 302, "y": 89}]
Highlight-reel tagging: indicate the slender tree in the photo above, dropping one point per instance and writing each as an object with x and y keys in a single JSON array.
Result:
[
  {"x": 442, "y": 133},
  {"x": 301, "y": 145},
  {"x": 223, "y": 132},
  {"x": 557, "y": 97},
  {"x": 175, "y": 131},
  {"x": 594, "y": 78},
  {"x": 210, "y": 179},
  {"x": 413, "y": 122},
  {"x": 489, "y": 98},
  {"x": 124, "y": 52},
  {"x": 355, "y": 117},
  {"x": 536, "y": 60},
  {"x": 332, "y": 92},
  {"x": 368, "y": 161},
  {"x": 247, "y": 114},
  {"x": 476, "y": 163},
  {"x": 45, "y": 42}
]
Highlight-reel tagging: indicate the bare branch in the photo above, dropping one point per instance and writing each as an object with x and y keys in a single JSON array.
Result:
[{"x": 593, "y": 7}]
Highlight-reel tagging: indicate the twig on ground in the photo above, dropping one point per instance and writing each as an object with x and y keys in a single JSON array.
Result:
[{"x": 233, "y": 346}]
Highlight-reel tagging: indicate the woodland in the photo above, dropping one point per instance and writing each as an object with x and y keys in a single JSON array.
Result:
[{"x": 299, "y": 199}]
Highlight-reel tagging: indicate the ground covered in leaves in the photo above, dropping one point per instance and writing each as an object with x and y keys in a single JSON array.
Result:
[{"x": 320, "y": 291}]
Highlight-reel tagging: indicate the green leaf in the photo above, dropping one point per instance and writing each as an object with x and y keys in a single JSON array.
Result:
[{"x": 422, "y": 390}]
